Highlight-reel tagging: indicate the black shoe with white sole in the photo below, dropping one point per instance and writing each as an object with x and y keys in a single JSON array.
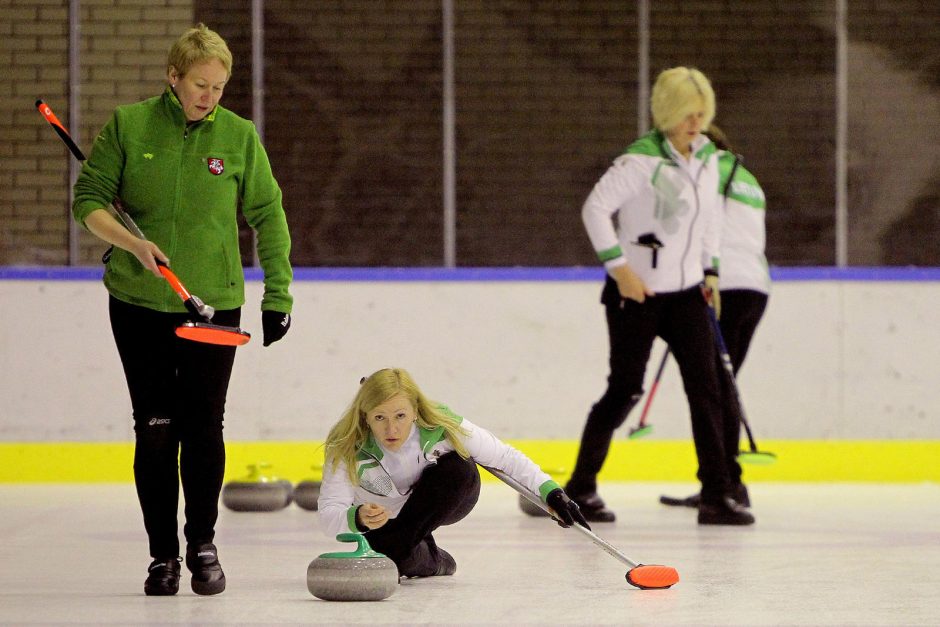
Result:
[{"x": 202, "y": 560}]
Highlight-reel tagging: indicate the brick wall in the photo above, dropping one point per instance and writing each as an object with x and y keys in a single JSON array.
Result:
[
  {"x": 546, "y": 97},
  {"x": 32, "y": 177},
  {"x": 123, "y": 56}
]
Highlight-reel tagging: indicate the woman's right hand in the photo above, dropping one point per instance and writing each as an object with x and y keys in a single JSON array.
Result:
[
  {"x": 104, "y": 225},
  {"x": 147, "y": 253},
  {"x": 629, "y": 284},
  {"x": 372, "y": 515}
]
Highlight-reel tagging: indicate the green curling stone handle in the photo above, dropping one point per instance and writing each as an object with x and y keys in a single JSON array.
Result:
[{"x": 362, "y": 549}]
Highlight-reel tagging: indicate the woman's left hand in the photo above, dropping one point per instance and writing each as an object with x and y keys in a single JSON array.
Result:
[
  {"x": 275, "y": 325},
  {"x": 372, "y": 515}
]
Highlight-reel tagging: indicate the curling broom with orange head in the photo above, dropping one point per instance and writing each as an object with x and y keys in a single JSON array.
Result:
[
  {"x": 203, "y": 331},
  {"x": 643, "y": 576}
]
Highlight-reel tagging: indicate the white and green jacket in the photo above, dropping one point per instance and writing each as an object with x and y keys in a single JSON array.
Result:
[
  {"x": 743, "y": 232},
  {"x": 654, "y": 192},
  {"x": 376, "y": 466}
]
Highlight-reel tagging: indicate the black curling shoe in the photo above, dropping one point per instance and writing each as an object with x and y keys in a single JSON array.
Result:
[
  {"x": 163, "y": 578},
  {"x": 448, "y": 565},
  {"x": 727, "y": 511},
  {"x": 202, "y": 560},
  {"x": 427, "y": 560},
  {"x": 739, "y": 494},
  {"x": 593, "y": 508}
]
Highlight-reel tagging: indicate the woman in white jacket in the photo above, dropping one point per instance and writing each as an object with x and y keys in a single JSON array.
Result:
[
  {"x": 745, "y": 276},
  {"x": 663, "y": 247},
  {"x": 399, "y": 465}
]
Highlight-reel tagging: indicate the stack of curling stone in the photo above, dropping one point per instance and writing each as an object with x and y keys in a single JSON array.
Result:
[
  {"x": 362, "y": 575},
  {"x": 258, "y": 492},
  {"x": 307, "y": 492},
  {"x": 531, "y": 508}
]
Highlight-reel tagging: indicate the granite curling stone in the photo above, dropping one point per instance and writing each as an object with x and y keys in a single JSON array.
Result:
[
  {"x": 361, "y": 575},
  {"x": 531, "y": 508},
  {"x": 307, "y": 492},
  {"x": 258, "y": 492}
]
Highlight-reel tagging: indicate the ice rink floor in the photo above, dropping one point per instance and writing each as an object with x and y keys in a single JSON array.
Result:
[{"x": 820, "y": 554}]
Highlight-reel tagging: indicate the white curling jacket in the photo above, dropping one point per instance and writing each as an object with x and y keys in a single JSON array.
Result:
[
  {"x": 339, "y": 498},
  {"x": 654, "y": 192},
  {"x": 743, "y": 233}
]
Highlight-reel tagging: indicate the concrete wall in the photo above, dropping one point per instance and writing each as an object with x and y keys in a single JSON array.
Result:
[{"x": 831, "y": 360}]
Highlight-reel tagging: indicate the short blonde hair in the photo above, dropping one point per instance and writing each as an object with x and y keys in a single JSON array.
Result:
[
  {"x": 678, "y": 92},
  {"x": 197, "y": 45}
]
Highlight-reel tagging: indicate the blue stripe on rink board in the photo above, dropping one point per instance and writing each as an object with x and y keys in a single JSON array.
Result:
[{"x": 438, "y": 274}]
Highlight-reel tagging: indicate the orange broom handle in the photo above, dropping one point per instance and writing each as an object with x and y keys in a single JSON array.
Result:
[{"x": 173, "y": 281}]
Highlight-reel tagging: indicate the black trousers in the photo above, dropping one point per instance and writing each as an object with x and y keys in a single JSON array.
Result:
[
  {"x": 178, "y": 389},
  {"x": 741, "y": 311},
  {"x": 681, "y": 320},
  {"x": 444, "y": 494}
]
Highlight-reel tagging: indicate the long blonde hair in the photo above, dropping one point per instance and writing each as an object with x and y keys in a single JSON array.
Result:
[{"x": 351, "y": 431}]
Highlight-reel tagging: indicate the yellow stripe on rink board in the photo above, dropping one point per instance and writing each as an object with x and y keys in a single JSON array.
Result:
[
  {"x": 629, "y": 460},
  {"x": 796, "y": 460}
]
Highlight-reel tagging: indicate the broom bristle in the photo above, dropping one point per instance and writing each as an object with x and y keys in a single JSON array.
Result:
[{"x": 652, "y": 576}]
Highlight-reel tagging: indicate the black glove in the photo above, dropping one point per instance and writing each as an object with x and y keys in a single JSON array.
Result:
[
  {"x": 275, "y": 325},
  {"x": 566, "y": 511}
]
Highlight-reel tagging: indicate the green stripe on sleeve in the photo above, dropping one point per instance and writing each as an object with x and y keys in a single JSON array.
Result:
[
  {"x": 610, "y": 253},
  {"x": 546, "y": 488}
]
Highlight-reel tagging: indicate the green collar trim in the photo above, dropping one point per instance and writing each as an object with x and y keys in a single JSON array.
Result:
[
  {"x": 656, "y": 144},
  {"x": 429, "y": 437},
  {"x": 175, "y": 101},
  {"x": 370, "y": 449}
]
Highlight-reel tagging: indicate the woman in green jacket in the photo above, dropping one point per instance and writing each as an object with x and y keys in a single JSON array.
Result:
[{"x": 182, "y": 165}]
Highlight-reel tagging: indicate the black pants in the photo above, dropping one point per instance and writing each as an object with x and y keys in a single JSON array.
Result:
[
  {"x": 178, "y": 389},
  {"x": 741, "y": 311},
  {"x": 444, "y": 494},
  {"x": 681, "y": 320}
]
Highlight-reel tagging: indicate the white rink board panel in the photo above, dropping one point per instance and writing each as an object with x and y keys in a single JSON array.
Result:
[{"x": 830, "y": 360}]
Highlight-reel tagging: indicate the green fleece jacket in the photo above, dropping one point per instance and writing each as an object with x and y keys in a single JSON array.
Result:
[{"x": 183, "y": 185}]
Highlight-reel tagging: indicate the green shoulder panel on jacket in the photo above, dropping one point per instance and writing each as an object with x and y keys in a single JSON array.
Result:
[
  {"x": 447, "y": 411},
  {"x": 650, "y": 145},
  {"x": 744, "y": 188}
]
